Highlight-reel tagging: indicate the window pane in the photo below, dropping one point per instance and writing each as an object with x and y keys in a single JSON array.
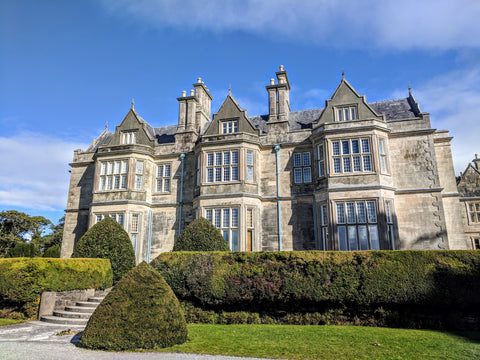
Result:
[
  {"x": 361, "y": 215},
  {"x": 297, "y": 159},
  {"x": 217, "y": 219},
  {"x": 117, "y": 167},
  {"x": 234, "y": 157},
  {"x": 355, "y": 147},
  {"x": 337, "y": 167},
  {"x": 340, "y": 114},
  {"x": 249, "y": 158},
  {"x": 110, "y": 168},
  {"x": 351, "y": 213},
  {"x": 166, "y": 185},
  {"x": 210, "y": 175},
  {"x": 342, "y": 238},
  {"x": 365, "y": 146},
  {"x": 346, "y": 113},
  {"x": 226, "y": 218},
  {"x": 109, "y": 183},
  {"x": 374, "y": 237},
  {"x": 321, "y": 169},
  {"x": 167, "y": 170},
  {"x": 363, "y": 237},
  {"x": 210, "y": 160},
  {"x": 139, "y": 168},
  {"x": 116, "y": 184},
  {"x": 224, "y": 128},
  {"x": 352, "y": 238},
  {"x": 381, "y": 146},
  {"x": 98, "y": 218},
  {"x": 218, "y": 159},
  {"x": 208, "y": 214},
  {"x": 160, "y": 171},
  {"x": 234, "y": 173},
  {"x": 357, "y": 165},
  {"x": 383, "y": 163},
  {"x": 341, "y": 213},
  {"x": 367, "y": 164},
  {"x": 138, "y": 182},
  {"x": 347, "y": 166},
  {"x": 336, "y": 148},
  {"x": 218, "y": 174},
  {"x": 226, "y": 158},
  {"x": 320, "y": 152},
  {"x": 159, "y": 185},
  {"x": 249, "y": 173},
  {"x": 372, "y": 212},
  {"x": 103, "y": 169},
  {"x": 120, "y": 219},
  {"x": 226, "y": 234},
  {"x": 307, "y": 175},
  {"x": 353, "y": 113},
  {"x": 234, "y": 240},
  {"x": 306, "y": 159},
  {"x": 234, "y": 217},
  {"x": 297, "y": 175},
  {"x": 324, "y": 215},
  {"x": 124, "y": 166},
  {"x": 102, "y": 183},
  {"x": 345, "y": 147},
  {"x": 388, "y": 211},
  {"x": 226, "y": 173}
]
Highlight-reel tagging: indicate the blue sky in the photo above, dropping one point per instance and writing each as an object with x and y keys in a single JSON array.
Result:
[{"x": 69, "y": 67}]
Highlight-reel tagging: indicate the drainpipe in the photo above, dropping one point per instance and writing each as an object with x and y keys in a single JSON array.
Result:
[
  {"x": 150, "y": 220},
  {"x": 279, "y": 212},
  {"x": 315, "y": 223},
  {"x": 182, "y": 158}
]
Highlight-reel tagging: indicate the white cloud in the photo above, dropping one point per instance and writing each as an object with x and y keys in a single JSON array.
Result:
[
  {"x": 453, "y": 101},
  {"x": 34, "y": 171},
  {"x": 390, "y": 24}
]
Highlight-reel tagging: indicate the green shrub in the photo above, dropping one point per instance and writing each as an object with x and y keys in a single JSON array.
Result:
[
  {"x": 23, "y": 250},
  {"x": 52, "y": 252},
  {"x": 141, "y": 311},
  {"x": 413, "y": 288},
  {"x": 201, "y": 235},
  {"x": 107, "y": 240},
  {"x": 22, "y": 280}
]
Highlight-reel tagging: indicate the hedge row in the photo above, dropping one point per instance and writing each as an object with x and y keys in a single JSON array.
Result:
[
  {"x": 426, "y": 286},
  {"x": 22, "y": 280}
]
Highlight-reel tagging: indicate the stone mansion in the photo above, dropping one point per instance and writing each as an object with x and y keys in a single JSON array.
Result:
[{"x": 351, "y": 175}]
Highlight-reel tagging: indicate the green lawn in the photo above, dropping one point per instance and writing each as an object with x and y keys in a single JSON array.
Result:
[
  {"x": 328, "y": 342},
  {"x": 4, "y": 322}
]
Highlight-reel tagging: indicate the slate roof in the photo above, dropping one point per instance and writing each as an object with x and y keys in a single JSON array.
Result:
[{"x": 392, "y": 109}]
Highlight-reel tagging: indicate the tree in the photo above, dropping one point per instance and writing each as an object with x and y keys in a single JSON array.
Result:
[
  {"x": 107, "y": 240},
  {"x": 201, "y": 235},
  {"x": 52, "y": 239},
  {"x": 18, "y": 227}
]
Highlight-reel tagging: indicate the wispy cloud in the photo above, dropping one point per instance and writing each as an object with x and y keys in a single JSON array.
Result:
[
  {"x": 389, "y": 24},
  {"x": 34, "y": 171},
  {"x": 453, "y": 101}
]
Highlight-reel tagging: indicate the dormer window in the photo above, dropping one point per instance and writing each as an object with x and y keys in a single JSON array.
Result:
[
  {"x": 129, "y": 137},
  {"x": 229, "y": 127},
  {"x": 346, "y": 113}
]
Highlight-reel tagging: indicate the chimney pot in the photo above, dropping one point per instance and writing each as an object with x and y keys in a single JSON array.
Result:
[
  {"x": 199, "y": 80},
  {"x": 192, "y": 92},
  {"x": 184, "y": 93},
  {"x": 272, "y": 81},
  {"x": 476, "y": 156},
  {"x": 281, "y": 67}
]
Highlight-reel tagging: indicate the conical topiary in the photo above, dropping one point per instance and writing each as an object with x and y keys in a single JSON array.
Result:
[
  {"x": 201, "y": 235},
  {"x": 107, "y": 240},
  {"x": 141, "y": 311}
]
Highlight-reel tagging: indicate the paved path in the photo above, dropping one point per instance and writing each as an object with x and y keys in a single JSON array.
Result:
[{"x": 35, "y": 340}]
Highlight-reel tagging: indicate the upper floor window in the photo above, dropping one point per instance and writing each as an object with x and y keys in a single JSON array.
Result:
[
  {"x": 302, "y": 171},
  {"x": 113, "y": 175},
  {"x": 346, "y": 113},
  {"x": 222, "y": 166},
  {"x": 139, "y": 175},
  {"x": 249, "y": 165},
  {"x": 474, "y": 212},
  {"x": 383, "y": 154},
  {"x": 353, "y": 155},
  {"x": 229, "y": 127},
  {"x": 163, "y": 177},
  {"x": 357, "y": 225},
  {"x": 321, "y": 160},
  {"x": 129, "y": 137}
]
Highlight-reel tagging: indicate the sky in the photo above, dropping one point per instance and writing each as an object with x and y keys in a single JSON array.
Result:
[{"x": 69, "y": 68}]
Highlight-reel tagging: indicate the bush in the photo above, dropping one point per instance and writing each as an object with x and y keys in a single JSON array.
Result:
[
  {"x": 52, "y": 252},
  {"x": 22, "y": 280},
  {"x": 107, "y": 240},
  {"x": 23, "y": 250},
  {"x": 201, "y": 235},
  {"x": 141, "y": 311},
  {"x": 413, "y": 288}
]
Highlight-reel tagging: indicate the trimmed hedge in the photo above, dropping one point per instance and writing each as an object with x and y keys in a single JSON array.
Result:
[
  {"x": 201, "y": 235},
  {"x": 394, "y": 288},
  {"x": 141, "y": 311},
  {"x": 107, "y": 240},
  {"x": 22, "y": 280}
]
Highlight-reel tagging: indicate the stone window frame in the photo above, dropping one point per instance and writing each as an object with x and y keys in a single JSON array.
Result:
[
  {"x": 139, "y": 171},
  {"x": 354, "y": 221},
  {"x": 163, "y": 183},
  {"x": 351, "y": 155},
  {"x": 302, "y": 167},
  {"x": 473, "y": 210},
  {"x": 227, "y": 220},
  {"x": 382, "y": 154},
  {"x": 249, "y": 165},
  {"x": 116, "y": 215},
  {"x": 113, "y": 175},
  {"x": 228, "y": 126},
  {"x": 129, "y": 137},
  {"x": 346, "y": 112},
  {"x": 321, "y": 160},
  {"x": 222, "y": 168}
]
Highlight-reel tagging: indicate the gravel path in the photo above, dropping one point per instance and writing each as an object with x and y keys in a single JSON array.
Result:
[{"x": 37, "y": 340}]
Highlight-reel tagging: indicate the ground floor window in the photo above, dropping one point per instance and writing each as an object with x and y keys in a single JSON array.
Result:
[
  {"x": 226, "y": 220},
  {"x": 476, "y": 244},
  {"x": 119, "y": 217},
  {"x": 357, "y": 227}
]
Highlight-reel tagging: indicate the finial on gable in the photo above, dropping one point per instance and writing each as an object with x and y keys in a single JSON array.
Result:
[
  {"x": 343, "y": 74},
  {"x": 133, "y": 103},
  {"x": 409, "y": 89},
  {"x": 106, "y": 125},
  {"x": 230, "y": 89}
]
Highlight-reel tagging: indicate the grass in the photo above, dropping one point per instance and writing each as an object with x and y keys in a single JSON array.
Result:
[
  {"x": 4, "y": 322},
  {"x": 328, "y": 342}
]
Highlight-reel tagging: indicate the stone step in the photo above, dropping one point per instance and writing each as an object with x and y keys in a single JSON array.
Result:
[
  {"x": 71, "y": 314},
  {"x": 63, "y": 320},
  {"x": 97, "y": 299},
  {"x": 80, "y": 309},
  {"x": 86, "y": 304}
]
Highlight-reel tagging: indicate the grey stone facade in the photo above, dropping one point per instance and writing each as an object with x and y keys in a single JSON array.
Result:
[{"x": 351, "y": 175}]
